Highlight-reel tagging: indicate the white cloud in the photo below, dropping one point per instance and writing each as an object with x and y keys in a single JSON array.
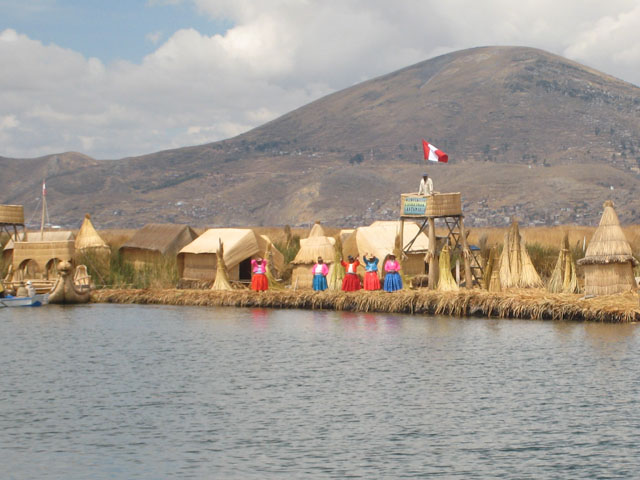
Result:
[
  {"x": 279, "y": 55},
  {"x": 153, "y": 37},
  {"x": 8, "y": 121}
]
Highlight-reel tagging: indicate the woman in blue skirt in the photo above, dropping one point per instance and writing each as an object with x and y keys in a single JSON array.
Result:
[
  {"x": 392, "y": 279},
  {"x": 320, "y": 272}
]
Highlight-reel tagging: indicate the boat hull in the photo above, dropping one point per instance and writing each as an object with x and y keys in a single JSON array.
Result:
[{"x": 37, "y": 300}]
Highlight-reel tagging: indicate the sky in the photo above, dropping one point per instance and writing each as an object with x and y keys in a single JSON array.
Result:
[{"x": 119, "y": 78}]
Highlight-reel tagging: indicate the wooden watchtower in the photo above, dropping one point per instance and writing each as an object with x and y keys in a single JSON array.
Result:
[
  {"x": 446, "y": 207},
  {"x": 11, "y": 217}
]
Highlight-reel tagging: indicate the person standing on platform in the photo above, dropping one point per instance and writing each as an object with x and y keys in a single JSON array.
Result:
[
  {"x": 351, "y": 281},
  {"x": 371, "y": 280},
  {"x": 259, "y": 282},
  {"x": 320, "y": 272},
  {"x": 392, "y": 279},
  {"x": 426, "y": 185}
]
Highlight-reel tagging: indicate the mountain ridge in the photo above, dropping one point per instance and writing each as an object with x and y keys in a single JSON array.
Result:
[{"x": 529, "y": 134}]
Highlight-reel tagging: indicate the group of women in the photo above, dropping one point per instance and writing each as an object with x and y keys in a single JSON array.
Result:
[{"x": 351, "y": 280}]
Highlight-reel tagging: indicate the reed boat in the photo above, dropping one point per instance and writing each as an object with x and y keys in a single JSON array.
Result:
[{"x": 65, "y": 290}]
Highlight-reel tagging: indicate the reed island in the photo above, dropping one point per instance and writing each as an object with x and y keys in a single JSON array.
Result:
[{"x": 424, "y": 263}]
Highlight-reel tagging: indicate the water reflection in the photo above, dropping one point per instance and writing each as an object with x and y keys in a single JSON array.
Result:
[{"x": 159, "y": 392}]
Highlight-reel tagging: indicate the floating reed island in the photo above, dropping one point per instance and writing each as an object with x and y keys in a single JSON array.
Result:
[{"x": 535, "y": 304}]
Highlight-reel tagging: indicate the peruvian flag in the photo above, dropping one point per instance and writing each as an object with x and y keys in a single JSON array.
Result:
[
  {"x": 433, "y": 153},
  {"x": 44, "y": 189}
]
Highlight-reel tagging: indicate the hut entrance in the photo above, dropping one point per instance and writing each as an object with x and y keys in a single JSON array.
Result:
[
  {"x": 29, "y": 268},
  {"x": 52, "y": 268},
  {"x": 244, "y": 268}
]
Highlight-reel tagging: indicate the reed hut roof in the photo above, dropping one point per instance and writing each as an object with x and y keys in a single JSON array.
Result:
[
  {"x": 165, "y": 239},
  {"x": 317, "y": 231},
  {"x": 239, "y": 244},
  {"x": 88, "y": 237},
  {"x": 608, "y": 244},
  {"x": 49, "y": 236},
  {"x": 317, "y": 244},
  {"x": 379, "y": 238},
  {"x": 345, "y": 233}
]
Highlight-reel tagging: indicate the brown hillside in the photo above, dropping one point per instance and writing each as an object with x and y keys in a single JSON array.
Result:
[{"x": 528, "y": 133}]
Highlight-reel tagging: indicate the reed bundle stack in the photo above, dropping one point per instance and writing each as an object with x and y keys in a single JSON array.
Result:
[
  {"x": 336, "y": 271},
  {"x": 270, "y": 254},
  {"x": 446, "y": 282},
  {"x": 222, "y": 276},
  {"x": 317, "y": 244},
  {"x": 516, "y": 268},
  {"x": 491, "y": 271},
  {"x": 609, "y": 261},
  {"x": 564, "y": 277},
  {"x": 155, "y": 241}
]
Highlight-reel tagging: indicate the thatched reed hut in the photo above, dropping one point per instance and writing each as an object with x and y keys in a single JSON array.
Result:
[
  {"x": 198, "y": 259},
  {"x": 379, "y": 239},
  {"x": 37, "y": 254},
  {"x": 317, "y": 244},
  {"x": 154, "y": 241},
  {"x": 89, "y": 240},
  {"x": 609, "y": 261}
]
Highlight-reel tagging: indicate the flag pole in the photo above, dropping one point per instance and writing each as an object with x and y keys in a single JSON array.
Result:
[{"x": 44, "y": 208}]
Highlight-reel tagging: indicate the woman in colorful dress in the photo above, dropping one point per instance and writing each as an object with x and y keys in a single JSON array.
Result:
[
  {"x": 259, "y": 281},
  {"x": 320, "y": 272},
  {"x": 371, "y": 280},
  {"x": 392, "y": 279},
  {"x": 351, "y": 281}
]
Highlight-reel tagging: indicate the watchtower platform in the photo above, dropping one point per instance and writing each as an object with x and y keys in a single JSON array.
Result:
[{"x": 446, "y": 208}]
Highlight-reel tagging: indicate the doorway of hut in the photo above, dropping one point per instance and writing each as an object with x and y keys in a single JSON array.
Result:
[{"x": 245, "y": 270}]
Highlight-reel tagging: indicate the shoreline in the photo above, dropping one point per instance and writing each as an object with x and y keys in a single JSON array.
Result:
[{"x": 530, "y": 304}]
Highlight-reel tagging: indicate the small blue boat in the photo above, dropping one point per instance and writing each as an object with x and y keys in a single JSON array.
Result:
[{"x": 37, "y": 300}]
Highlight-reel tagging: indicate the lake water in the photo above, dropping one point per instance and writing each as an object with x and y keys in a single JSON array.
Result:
[{"x": 141, "y": 392}]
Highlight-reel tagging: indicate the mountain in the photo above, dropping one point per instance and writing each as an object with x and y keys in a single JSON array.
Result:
[{"x": 529, "y": 134}]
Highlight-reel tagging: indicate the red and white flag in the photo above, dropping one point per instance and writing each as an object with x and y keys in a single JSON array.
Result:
[
  {"x": 44, "y": 189},
  {"x": 433, "y": 153}
]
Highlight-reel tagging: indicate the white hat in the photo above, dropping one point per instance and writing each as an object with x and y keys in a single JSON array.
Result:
[{"x": 28, "y": 282}]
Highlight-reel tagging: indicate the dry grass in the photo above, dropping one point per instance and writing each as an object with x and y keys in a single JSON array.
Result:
[{"x": 535, "y": 304}]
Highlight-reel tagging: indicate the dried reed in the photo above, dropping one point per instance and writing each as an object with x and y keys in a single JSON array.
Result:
[
  {"x": 446, "y": 282},
  {"x": 221, "y": 282},
  {"x": 536, "y": 304}
]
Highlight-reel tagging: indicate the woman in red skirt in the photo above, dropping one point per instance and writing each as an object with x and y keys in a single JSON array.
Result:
[
  {"x": 351, "y": 281},
  {"x": 259, "y": 281},
  {"x": 371, "y": 280}
]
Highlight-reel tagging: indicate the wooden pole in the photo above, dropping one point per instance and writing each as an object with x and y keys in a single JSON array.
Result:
[
  {"x": 465, "y": 255},
  {"x": 401, "y": 236},
  {"x": 432, "y": 253}
]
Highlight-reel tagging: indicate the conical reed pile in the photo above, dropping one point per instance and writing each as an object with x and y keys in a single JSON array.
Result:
[
  {"x": 446, "y": 282},
  {"x": 222, "y": 276}
]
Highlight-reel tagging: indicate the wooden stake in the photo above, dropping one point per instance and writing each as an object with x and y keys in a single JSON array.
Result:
[
  {"x": 468, "y": 279},
  {"x": 432, "y": 253}
]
